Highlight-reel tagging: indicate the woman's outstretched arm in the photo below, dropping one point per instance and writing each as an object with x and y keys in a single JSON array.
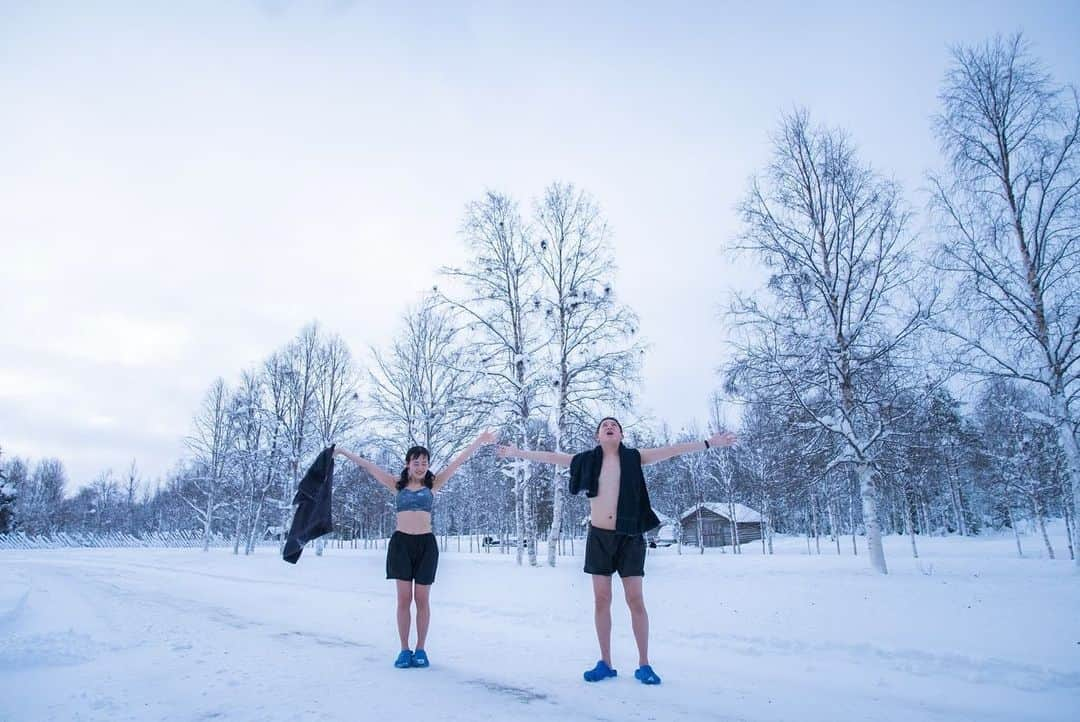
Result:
[
  {"x": 381, "y": 475},
  {"x": 544, "y": 457},
  {"x": 443, "y": 476}
]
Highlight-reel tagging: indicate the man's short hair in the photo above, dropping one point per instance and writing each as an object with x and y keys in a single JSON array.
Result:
[{"x": 608, "y": 418}]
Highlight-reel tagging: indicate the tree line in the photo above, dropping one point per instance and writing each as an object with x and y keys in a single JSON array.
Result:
[{"x": 845, "y": 368}]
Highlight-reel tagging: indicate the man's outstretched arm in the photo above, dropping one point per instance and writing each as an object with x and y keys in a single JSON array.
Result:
[{"x": 662, "y": 453}]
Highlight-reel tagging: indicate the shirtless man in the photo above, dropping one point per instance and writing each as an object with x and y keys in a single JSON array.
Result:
[{"x": 612, "y": 478}]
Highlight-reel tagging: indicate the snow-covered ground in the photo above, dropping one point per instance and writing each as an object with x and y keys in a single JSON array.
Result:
[{"x": 968, "y": 633}]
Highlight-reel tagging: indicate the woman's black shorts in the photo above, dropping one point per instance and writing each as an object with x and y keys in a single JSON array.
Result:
[
  {"x": 412, "y": 557},
  {"x": 608, "y": 551}
]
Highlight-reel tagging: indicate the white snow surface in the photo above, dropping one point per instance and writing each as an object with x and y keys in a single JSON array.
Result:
[{"x": 969, "y": 632}]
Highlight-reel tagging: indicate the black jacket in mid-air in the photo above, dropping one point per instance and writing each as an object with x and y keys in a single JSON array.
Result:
[{"x": 312, "y": 517}]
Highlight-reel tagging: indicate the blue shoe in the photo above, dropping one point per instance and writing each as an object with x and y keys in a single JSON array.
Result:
[
  {"x": 419, "y": 659},
  {"x": 646, "y": 675},
  {"x": 404, "y": 659},
  {"x": 599, "y": 672}
]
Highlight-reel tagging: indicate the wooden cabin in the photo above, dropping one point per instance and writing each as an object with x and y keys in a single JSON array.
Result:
[{"x": 717, "y": 528}]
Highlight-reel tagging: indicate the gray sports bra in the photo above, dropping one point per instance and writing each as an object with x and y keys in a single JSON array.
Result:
[{"x": 420, "y": 500}]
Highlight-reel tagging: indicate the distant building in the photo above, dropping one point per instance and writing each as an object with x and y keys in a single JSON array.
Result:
[{"x": 716, "y": 525}]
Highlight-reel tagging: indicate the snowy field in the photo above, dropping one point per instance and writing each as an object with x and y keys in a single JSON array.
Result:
[{"x": 970, "y": 633}]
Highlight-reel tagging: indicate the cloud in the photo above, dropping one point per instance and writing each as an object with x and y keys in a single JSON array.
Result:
[{"x": 122, "y": 339}]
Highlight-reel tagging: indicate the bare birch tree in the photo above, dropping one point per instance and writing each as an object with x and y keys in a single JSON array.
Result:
[
  {"x": 258, "y": 451},
  {"x": 1021, "y": 451},
  {"x": 594, "y": 357},
  {"x": 211, "y": 445},
  {"x": 422, "y": 387},
  {"x": 499, "y": 305},
  {"x": 1009, "y": 207},
  {"x": 40, "y": 495},
  {"x": 130, "y": 497},
  {"x": 337, "y": 396},
  {"x": 302, "y": 370},
  {"x": 835, "y": 235},
  {"x": 269, "y": 400}
]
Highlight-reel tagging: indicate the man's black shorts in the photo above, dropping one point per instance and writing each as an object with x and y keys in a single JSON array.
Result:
[
  {"x": 412, "y": 557},
  {"x": 608, "y": 551}
]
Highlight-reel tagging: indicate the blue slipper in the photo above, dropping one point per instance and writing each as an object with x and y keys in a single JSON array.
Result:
[
  {"x": 599, "y": 672},
  {"x": 646, "y": 675},
  {"x": 404, "y": 659},
  {"x": 419, "y": 658}
]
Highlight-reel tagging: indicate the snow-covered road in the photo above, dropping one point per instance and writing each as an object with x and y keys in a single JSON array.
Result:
[{"x": 182, "y": 635}]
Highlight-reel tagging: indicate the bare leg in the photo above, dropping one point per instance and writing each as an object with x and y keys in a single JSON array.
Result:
[
  {"x": 404, "y": 611},
  {"x": 423, "y": 613},
  {"x": 602, "y": 612},
  {"x": 639, "y": 618}
]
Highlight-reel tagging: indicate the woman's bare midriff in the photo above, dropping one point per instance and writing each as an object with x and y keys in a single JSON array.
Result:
[{"x": 414, "y": 522}]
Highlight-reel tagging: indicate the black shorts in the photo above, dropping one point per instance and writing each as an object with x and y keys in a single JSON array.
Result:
[
  {"x": 607, "y": 552},
  {"x": 412, "y": 557}
]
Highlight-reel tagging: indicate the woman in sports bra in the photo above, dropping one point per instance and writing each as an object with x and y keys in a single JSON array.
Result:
[{"x": 412, "y": 556}]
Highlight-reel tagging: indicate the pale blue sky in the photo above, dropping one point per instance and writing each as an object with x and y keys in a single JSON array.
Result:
[{"x": 184, "y": 185}]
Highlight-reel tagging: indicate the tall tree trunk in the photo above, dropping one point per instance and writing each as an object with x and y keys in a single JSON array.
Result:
[
  {"x": 558, "y": 489},
  {"x": 700, "y": 534},
  {"x": 253, "y": 534},
  {"x": 1067, "y": 509},
  {"x": 237, "y": 533},
  {"x": 558, "y": 492},
  {"x": 851, "y": 517},
  {"x": 519, "y": 515},
  {"x": 924, "y": 512},
  {"x": 528, "y": 508},
  {"x": 1072, "y": 462},
  {"x": 209, "y": 518},
  {"x": 1040, "y": 518},
  {"x": 865, "y": 474},
  {"x": 734, "y": 525},
  {"x": 764, "y": 523},
  {"x": 909, "y": 523},
  {"x": 1016, "y": 532},
  {"x": 955, "y": 497},
  {"x": 834, "y": 525}
]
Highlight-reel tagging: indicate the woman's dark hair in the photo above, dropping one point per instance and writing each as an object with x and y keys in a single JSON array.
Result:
[{"x": 411, "y": 454}]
